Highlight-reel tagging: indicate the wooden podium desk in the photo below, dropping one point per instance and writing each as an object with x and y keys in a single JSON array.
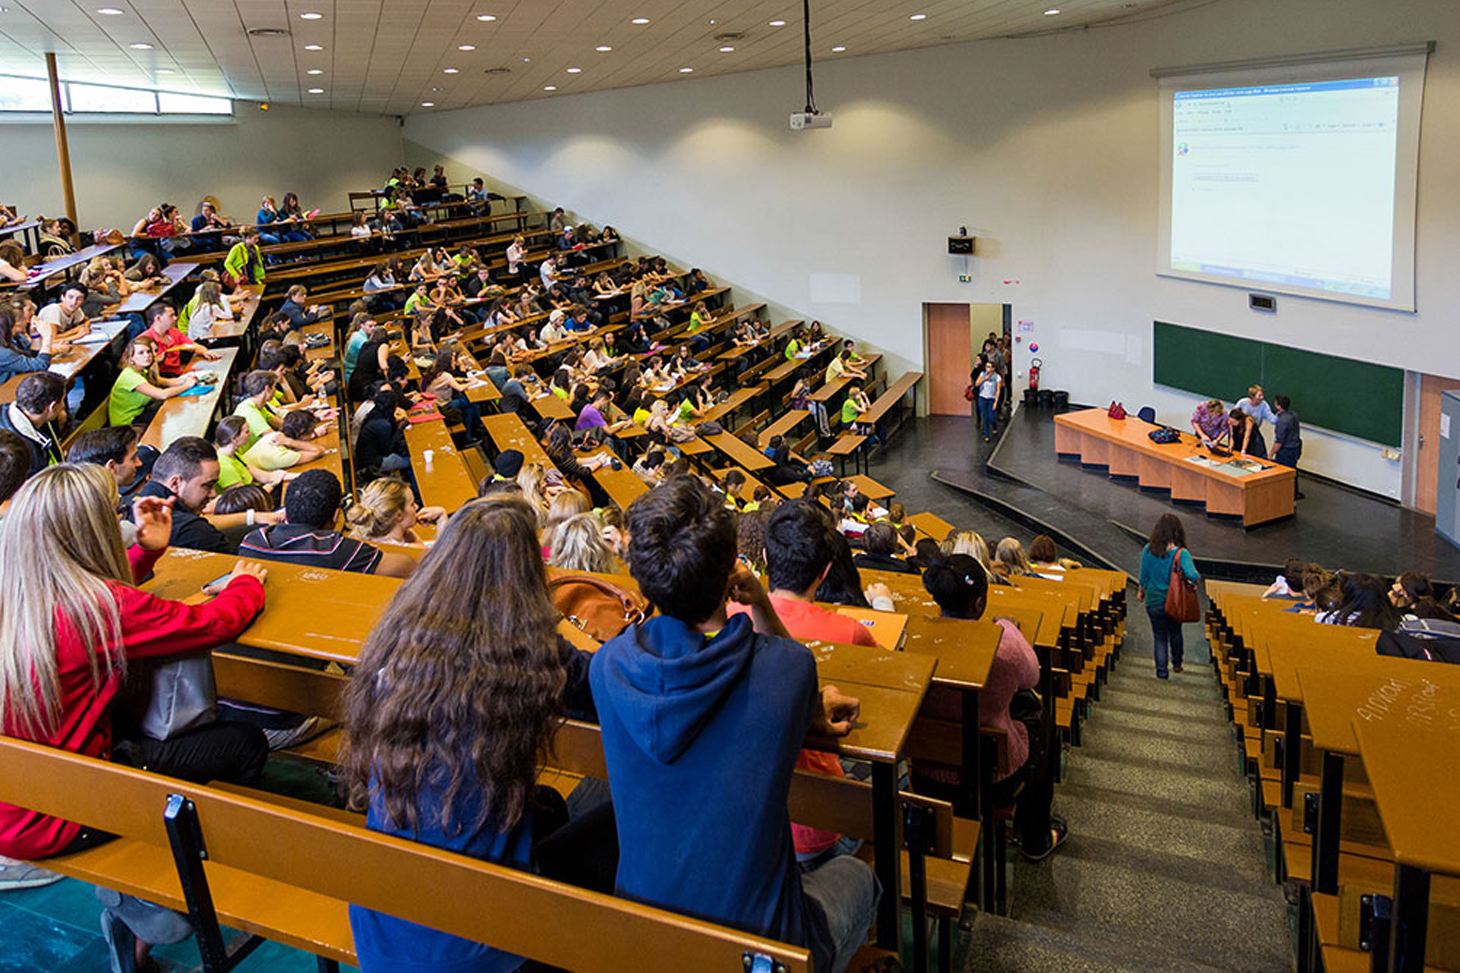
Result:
[{"x": 1124, "y": 447}]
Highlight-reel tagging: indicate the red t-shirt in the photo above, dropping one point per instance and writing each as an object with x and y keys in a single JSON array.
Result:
[
  {"x": 151, "y": 626},
  {"x": 171, "y": 358},
  {"x": 805, "y": 620}
]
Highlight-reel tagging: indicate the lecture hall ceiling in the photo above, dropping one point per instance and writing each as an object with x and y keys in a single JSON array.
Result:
[{"x": 391, "y": 56}]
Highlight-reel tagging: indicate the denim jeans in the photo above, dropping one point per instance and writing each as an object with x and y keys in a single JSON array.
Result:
[
  {"x": 1164, "y": 633},
  {"x": 987, "y": 417},
  {"x": 847, "y": 892}
]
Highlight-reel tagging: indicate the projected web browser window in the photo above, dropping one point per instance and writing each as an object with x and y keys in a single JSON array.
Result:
[{"x": 1288, "y": 184}]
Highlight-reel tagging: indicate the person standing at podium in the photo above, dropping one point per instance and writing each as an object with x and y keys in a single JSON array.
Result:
[
  {"x": 1287, "y": 443},
  {"x": 1211, "y": 424}
]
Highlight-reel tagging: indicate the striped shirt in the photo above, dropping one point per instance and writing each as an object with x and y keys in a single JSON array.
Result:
[{"x": 302, "y": 544}]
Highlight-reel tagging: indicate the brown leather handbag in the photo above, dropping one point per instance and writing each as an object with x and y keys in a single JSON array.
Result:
[
  {"x": 600, "y": 609},
  {"x": 1181, "y": 601}
]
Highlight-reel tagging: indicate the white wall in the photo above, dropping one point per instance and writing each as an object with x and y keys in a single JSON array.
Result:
[
  {"x": 122, "y": 169},
  {"x": 1046, "y": 148}
]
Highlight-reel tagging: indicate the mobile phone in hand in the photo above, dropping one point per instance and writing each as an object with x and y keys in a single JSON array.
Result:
[{"x": 216, "y": 585}]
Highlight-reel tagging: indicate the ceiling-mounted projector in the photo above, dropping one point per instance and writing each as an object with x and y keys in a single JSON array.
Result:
[{"x": 802, "y": 120}]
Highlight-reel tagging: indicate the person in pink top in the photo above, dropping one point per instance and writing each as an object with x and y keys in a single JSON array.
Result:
[
  {"x": 959, "y": 585},
  {"x": 798, "y": 555}
]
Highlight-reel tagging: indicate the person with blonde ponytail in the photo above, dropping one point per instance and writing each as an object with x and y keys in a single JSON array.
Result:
[
  {"x": 387, "y": 513},
  {"x": 72, "y": 622}
]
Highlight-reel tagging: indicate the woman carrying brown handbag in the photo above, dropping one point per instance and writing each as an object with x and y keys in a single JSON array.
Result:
[{"x": 1165, "y": 559}]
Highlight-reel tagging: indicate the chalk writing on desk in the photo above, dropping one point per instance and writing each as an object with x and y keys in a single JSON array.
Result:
[
  {"x": 1415, "y": 701},
  {"x": 314, "y": 577}
]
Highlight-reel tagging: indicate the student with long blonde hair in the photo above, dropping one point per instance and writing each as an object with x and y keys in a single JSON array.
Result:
[
  {"x": 71, "y": 623},
  {"x": 578, "y": 545},
  {"x": 450, "y": 714}
]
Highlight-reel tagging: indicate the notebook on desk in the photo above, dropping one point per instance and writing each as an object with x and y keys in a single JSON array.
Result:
[{"x": 888, "y": 628}]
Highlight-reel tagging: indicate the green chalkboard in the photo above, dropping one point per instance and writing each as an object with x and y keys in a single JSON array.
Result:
[{"x": 1353, "y": 397}]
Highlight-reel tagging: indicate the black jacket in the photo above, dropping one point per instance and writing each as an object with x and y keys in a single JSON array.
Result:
[
  {"x": 884, "y": 562},
  {"x": 188, "y": 529},
  {"x": 379, "y": 437},
  {"x": 42, "y": 454}
]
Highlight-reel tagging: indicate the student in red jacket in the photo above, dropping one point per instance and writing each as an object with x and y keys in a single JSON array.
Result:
[{"x": 71, "y": 622}]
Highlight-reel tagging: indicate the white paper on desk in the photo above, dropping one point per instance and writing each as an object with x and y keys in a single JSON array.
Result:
[{"x": 92, "y": 338}]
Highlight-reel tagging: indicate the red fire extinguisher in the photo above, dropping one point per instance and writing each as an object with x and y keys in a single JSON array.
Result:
[{"x": 1034, "y": 364}]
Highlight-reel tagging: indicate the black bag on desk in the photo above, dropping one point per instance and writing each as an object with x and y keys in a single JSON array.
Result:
[
  {"x": 1411, "y": 647},
  {"x": 1164, "y": 435}
]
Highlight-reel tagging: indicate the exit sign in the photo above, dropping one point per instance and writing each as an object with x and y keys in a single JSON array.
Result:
[{"x": 965, "y": 278}]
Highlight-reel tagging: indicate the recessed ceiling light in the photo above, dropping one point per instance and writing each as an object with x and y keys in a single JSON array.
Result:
[
  {"x": 428, "y": 104},
  {"x": 838, "y": 49},
  {"x": 686, "y": 70},
  {"x": 486, "y": 18},
  {"x": 575, "y": 70},
  {"x": 451, "y": 71},
  {"x": 109, "y": 11},
  {"x": 640, "y": 21},
  {"x": 466, "y": 47},
  {"x": 918, "y": 17},
  {"x": 778, "y": 23},
  {"x": 311, "y": 15},
  {"x": 316, "y": 91},
  {"x": 315, "y": 71},
  {"x": 603, "y": 48},
  {"x": 549, "y": 87},
  {"x": 314, "y": 47},
  {"x": 141, "y": 46},
  {"x": 1052, "y": 11},
  {"x": 726, "y": 49},
  {"x": 166, "y": 71},
  {"x": 527, "y": 60}
]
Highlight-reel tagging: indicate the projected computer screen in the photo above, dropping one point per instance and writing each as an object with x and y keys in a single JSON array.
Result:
[{"x": 1303, "y": 187}]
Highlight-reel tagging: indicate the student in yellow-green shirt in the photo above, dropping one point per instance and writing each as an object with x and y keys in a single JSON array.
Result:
[{"x": 139, "y": 385}]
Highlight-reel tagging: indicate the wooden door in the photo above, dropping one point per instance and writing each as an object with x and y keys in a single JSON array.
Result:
[
  {"x": 949, "y": 356},
  {"x": 1427, "y": 465}
]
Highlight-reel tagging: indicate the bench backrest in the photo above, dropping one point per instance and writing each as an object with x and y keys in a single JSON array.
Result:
[{"x": 511, "y": 909}]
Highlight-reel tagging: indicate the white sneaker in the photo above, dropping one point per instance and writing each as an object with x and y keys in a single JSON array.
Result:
[{"x": 23, "y": 875}]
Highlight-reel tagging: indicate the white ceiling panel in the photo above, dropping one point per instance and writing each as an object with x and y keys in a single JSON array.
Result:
[{"x": 388, "y": 56}]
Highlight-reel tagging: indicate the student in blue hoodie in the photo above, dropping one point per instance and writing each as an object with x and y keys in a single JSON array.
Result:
[
  {"x": 703, "y": 716},
  {"x": 459, "y": 690}
]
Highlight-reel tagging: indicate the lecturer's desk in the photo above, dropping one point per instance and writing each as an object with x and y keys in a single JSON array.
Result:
[{"x": 1124, "y": 447}]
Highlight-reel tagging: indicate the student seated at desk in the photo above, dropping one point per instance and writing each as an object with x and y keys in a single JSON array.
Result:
[
  {"x": 880, "y": 546},
  {"x": 302, "y": 315},
  {"x": 843, "y": 582},
  {"x": 187, "y": 475},
  {"x": 1364, "y": 603},
  {"x": 308, "y": 535},
  {"x": 171, "y": 343},
  {"x": 724, "y": 743},
  {"x": 1006, "y": 702},
  {"x": 798, "y": 557},
  {"x": 855, "y": 405},
  {"x": 1010, "y": 561},
  {"x": 841, "y": 367},
  {"x": 12, "y": 261},
  {"x": 387, "y": 512},
  {"x": 380, "y": 447},
  {"x": 210, "y": 306},
  {"x": 38, "y": 416},
  {"x": 139, "y": 387},
  {"x": 476, "y": 631},
  {"x": 105, "y": 286},
  {"x": 59, "y": 682},
  {"x": 446, "y": 379},
  {"x": 1046, "y": 561},
  {"x": 66, "y": 314},
  {"x": 230, "y": 437},
  {"x": 578, "y": 545},
  {"x": 257, "y": 405},
  {"x": 54, "y": 239},
  {"x": 1288, "y": 585},
  {"x": 145, "y": 273},
  {"x": 18, "y": 355}
]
